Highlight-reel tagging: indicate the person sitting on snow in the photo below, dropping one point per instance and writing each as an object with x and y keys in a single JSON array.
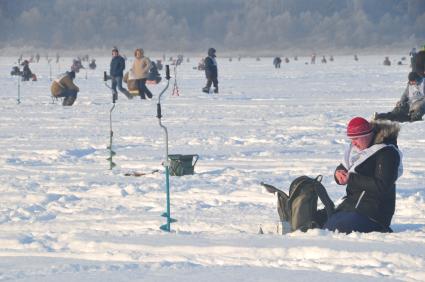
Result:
[
  {"x": 371, "y": 166},
  {"x": 387, "y": 61},
  {"x": 411, "y": 106},
  {"x": 92, "y": 64},
  {"x": 26, "y": 71},
  {"x": 154, "y": 75},
  {"x": 76, "y": 65},
  {"x": 63, "y": 86}
]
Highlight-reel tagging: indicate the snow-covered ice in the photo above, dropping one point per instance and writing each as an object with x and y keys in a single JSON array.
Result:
[{"x": 65, "y": 216}]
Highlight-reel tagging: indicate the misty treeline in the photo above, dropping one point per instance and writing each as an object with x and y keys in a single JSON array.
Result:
[{"x": 188, "y": 25}]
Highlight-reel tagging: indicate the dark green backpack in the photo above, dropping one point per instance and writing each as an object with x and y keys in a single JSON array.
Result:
[{"x": 300, "y": 207}]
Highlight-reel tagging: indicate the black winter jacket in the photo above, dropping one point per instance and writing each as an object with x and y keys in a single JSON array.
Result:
[
  {"x": 117, "y": 66},
  {"x": 210, "y": 68},
  {"x": 376, "y": 177}
]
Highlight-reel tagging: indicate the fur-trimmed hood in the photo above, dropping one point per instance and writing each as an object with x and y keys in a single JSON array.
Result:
[{"x": 385, "y": 131}]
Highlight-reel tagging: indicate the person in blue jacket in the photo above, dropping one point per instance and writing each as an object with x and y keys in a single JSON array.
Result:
[{"x": 116, "y": 72}]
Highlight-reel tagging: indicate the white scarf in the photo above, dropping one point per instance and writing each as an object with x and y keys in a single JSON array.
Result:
[
  {"x": 415, "y": 94},
  {"x": 353, "y": 157}
]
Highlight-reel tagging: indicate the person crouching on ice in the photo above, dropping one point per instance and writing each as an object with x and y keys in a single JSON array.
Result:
[
  {"x": 371, "y": 166},
  {"x": 63, "y": 86}
]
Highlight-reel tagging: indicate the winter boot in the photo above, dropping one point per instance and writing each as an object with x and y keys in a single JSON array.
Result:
[
  {"x": 69, "y": 101},
  {"x": 216, "y": 90},
  {"x": 65, "y": 101},
  {"x": 206, "y": 90}
]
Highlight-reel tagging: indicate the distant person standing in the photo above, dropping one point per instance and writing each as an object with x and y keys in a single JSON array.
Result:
[
  {"x": 276, "y": 62},
  {"x": 116, "y": 72},
  {"x": 141, "y": 66},
  {"x": 211, "y": 71}
]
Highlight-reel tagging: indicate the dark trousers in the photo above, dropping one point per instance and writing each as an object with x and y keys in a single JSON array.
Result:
[
  {"x": 400, "y": 113},
  {"x": 117, "y": 81},
  {"x": 141, "y": 85},
  {"x": 210, "y": 81},
  {"x": 347, "y": 222},
  {"x": 69, "y": 97}
]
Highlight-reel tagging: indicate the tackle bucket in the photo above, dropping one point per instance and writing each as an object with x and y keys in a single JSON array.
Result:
[{"x": 182, "y": 164}]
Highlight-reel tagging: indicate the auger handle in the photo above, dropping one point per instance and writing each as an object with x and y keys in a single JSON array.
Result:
[{"x": 167, "y": 72}]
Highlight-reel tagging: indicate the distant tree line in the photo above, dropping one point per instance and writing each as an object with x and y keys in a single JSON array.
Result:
[{"x": 227, "y": 24}]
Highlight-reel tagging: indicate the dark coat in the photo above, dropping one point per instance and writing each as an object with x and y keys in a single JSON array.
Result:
[
  {"x": 117, "y": 66},
  {"x": 26, "y": 73},
  {"x": 210, "y": 68},
  {"x": 419, "y": 65},
  {"x": 376, "y": 176}
]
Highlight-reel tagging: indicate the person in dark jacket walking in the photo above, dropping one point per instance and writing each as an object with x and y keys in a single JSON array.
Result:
[
  {"x": 116, "y": 72},
  {"x": 371, "y": 166},
  {"x": 211, "y": 71}
]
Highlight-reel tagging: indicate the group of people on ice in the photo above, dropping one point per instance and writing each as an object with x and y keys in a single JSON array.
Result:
[{"x": 142, "y": 71}]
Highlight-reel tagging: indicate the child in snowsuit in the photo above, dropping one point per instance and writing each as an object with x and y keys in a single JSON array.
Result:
[{"x": 211, "y": 72}]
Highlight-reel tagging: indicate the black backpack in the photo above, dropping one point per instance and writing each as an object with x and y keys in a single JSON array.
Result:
[{"x": 299, "y": 209}]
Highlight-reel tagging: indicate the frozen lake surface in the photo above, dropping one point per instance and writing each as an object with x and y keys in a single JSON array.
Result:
[{"x": 65, "y": 216}]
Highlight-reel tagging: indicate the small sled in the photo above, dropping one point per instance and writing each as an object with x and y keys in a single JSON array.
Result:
[
  {"x": 132, "y": 84},
  {"x": 153, "y": 81}
]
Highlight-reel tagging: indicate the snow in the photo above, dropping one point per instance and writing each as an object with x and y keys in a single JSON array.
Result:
[{"x": 65, "y": 216}]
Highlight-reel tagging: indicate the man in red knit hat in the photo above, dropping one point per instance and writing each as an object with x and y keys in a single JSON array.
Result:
[{"x": 371, "y": 166}]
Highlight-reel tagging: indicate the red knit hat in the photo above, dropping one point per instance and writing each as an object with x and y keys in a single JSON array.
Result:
[{"x": 358, "y": 127}]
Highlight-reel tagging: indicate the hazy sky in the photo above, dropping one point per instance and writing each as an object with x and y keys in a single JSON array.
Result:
[{"x": 192, "y": 25}]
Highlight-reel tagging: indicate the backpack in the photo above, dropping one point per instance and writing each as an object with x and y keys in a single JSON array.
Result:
[{"x": 299, "y": 208}]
